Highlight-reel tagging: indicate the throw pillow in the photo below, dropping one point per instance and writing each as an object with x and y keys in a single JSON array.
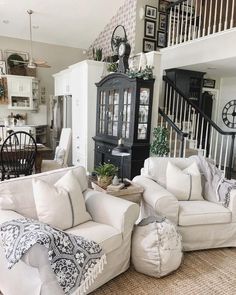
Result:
[
  {"x": 184, "y": 184},
  {"x": 60, "y": 205},
  {"x": 60, "y": 155}
]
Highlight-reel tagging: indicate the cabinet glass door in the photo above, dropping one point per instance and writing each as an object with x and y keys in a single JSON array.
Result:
[
  {"x": 102, "y": 112},
  {"x": 113, "y": 112},
  {"x": 143, "y": 113},
  {"x": 126, "y": 113}
]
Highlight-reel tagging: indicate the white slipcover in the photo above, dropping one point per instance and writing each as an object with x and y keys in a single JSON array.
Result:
[
  {"x": 202, "y": 224},
  {"x": 111, "y": 226}
]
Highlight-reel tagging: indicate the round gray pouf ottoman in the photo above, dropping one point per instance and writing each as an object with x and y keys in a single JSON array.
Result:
[{"x": 156, "y": 247}]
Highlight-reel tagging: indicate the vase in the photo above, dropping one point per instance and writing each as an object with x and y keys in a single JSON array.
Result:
[{"x": 104, "y": 181}]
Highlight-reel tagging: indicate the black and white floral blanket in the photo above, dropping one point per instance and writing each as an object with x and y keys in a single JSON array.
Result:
[{"x": 75, "y": 261}]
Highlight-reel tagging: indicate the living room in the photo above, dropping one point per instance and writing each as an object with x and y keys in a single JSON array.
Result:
[{"x": 117, "y": 147}]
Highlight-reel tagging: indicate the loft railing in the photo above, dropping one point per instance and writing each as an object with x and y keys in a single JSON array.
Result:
[
  {"x": 193, "y": 19},
  {"x": 204, "y": 136}
]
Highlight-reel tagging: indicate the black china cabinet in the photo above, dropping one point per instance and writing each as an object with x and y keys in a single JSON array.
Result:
[{"x": 124, "y": 108}]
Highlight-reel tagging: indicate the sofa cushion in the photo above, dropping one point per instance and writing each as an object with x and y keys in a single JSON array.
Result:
[
  {"x": 106, "y": 236},
  {"x": 60, "y": 205},
  {"x": 184, "y": 184},
  {"x": 20, "y": 190},
  {"x": 155, "y": 167},
  {"x": 202, "y": 212}
]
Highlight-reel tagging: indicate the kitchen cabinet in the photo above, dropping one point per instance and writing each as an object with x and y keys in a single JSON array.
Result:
[
  {"x": 62, "y": 83},
  {"x": 79, "y": 81},
  {"x": 23, "y": 92},
  {"x": 84, "y": 75},
  {"x": 124, "y": 108}
]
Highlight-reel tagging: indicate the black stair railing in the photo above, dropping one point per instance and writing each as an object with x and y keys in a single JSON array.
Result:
[{"x": 204, "y": 135}]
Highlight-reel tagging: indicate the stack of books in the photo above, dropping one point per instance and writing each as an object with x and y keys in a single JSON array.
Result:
[{"x": 115, "y": 188}]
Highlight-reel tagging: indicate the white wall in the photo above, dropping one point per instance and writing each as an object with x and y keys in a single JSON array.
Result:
[
  {"x": 207, "y": 49},
  {"x": 58, "y": 57}
]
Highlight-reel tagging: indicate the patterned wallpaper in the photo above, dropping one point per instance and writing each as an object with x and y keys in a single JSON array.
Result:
[{"x": 125, "y": 16}]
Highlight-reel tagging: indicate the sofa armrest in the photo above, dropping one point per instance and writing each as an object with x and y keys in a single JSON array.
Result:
[
  {"x": 7, "y": 215},
  {"x": 232, "y": 204},
  {"x": 156, "y": 196},
  {"x": 104, "y": 208}
]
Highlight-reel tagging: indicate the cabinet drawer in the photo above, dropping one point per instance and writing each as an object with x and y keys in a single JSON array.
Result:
[
  {"x": 112, "y": 160},
  {"x": 103, "y": 148}
]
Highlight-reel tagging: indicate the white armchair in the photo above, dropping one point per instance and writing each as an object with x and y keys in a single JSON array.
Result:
[
  {"x": 111, "y": 226},
  {"x": 61, "y": 154},
  {"x": 203, "y": 224}
]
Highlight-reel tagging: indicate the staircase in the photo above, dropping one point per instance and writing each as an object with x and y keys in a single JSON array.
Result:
[{"x": 191, "y": 132}]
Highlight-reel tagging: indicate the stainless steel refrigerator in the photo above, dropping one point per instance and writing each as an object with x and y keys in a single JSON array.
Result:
[{"x": 61, "y": 117}]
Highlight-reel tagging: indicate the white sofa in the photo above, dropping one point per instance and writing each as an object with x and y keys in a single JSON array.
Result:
[
  {"x": 111, "y": 227},
  {"x": 203, "y": 224}
]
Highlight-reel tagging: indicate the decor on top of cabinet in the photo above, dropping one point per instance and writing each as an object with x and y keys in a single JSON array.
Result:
[
  {"x": 145, "y": 74},
  {"x": 97, "y": 54},
  {"x": 119, "y": 35},
  {"x": 105, "y": 173},
  {"x": 3, "y": 91},
  {"x": 3, "y": 70},
  {"x": 160, "y": 144},
  {"x": 14, "y": 62},
  {"x": 121, "y": 47},
  {"x": 112, "y": 67}
]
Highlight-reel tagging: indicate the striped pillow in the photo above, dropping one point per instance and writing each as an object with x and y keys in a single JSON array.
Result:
[
  {"x": 184, "y": 184},
  {"x": 60, "y": 205}
]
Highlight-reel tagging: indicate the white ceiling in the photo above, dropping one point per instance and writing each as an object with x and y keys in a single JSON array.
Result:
[
  {"x": 217, "y": 68},
  {"x": 74, "y": 23}
]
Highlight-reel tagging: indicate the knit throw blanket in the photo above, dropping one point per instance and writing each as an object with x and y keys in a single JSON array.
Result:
[
  {"x": 216, "y": 185},
  {"x": 75, "y": 261}
]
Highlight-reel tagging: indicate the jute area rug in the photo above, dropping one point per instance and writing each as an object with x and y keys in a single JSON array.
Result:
[{"x": 211, "y": 272}]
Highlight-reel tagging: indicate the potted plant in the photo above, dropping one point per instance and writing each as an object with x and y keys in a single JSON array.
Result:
[
  {"x": 112, "y": 67},
  {"x": 105, "y": 173},
  {"x": 160, "y": 144},
  {"x": 97, "y": 54}
]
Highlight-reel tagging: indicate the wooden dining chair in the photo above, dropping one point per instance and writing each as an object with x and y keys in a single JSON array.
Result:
[{"x": 18, "y": 153}]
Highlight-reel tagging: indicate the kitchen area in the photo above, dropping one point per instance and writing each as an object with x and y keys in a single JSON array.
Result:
[{"x": 21, "y": 108}]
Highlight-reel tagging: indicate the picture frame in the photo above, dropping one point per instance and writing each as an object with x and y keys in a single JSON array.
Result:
[
  {"x": 161, "y": 39},
  {"x": 150, "y": 12},
  {"x": 3, "y": 67},
  {"x": 162, "y": 22},
  {"x": 149, "y": 45},
  {"x": 150, "y": 29},
  {"x": 209, "y": 83},
  {"x": 163, "y": 6}
]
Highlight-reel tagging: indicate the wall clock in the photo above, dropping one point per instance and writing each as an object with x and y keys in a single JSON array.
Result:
[{"x": 229, "y": 114}]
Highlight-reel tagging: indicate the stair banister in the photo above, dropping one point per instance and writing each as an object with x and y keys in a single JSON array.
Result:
[{"x": 197, "y": 108}]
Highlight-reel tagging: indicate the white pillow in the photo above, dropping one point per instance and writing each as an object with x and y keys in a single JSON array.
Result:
[
  {"x": 184, "y": 184},
  {"x": 59, "y": 155},
  {"x": 60, "y": 205}
]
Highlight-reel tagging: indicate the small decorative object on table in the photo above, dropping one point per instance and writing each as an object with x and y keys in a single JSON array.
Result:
[
  {"x": 105, "y": 174},
  {"x": 132, "y": 193}
]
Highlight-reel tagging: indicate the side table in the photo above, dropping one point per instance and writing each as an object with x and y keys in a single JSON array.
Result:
[{"x": 132, "y": 193}]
